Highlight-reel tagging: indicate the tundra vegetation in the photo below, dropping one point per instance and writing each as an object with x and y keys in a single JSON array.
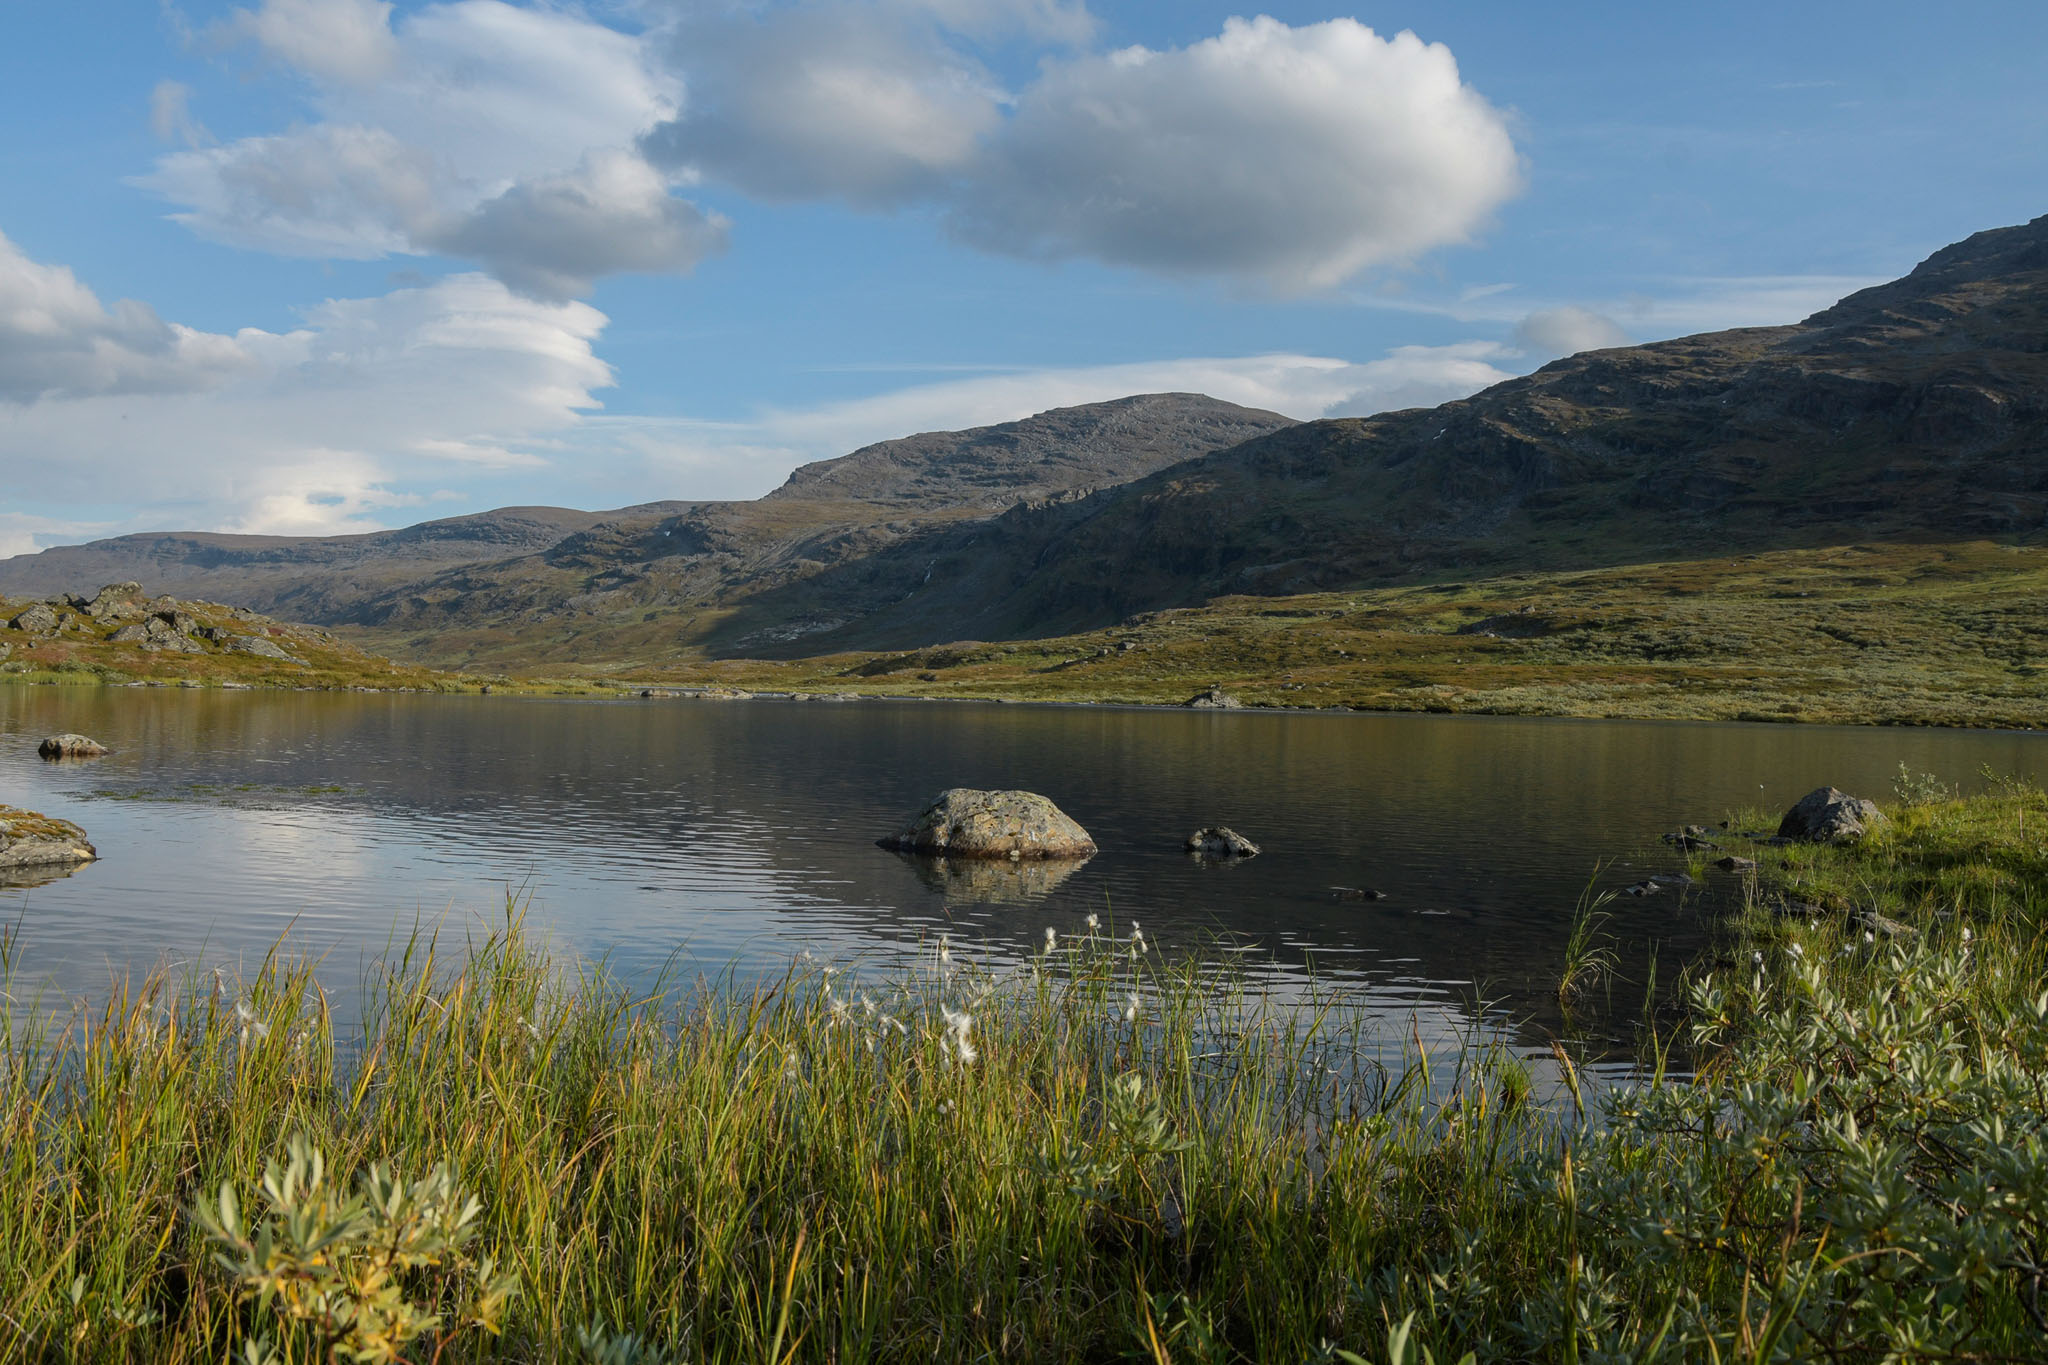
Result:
[{"x": 1102, "y": 1151}]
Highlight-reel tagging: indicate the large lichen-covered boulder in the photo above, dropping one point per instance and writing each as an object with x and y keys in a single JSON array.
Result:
[
  {"x": 965, "y": 823},
  {"x": 1827, "y": 816},
  {"x": 39, "y": 618},
  {"x": 70, "y": 746},
  {"x": 258, "y": 646},
  {"x": 1213, "y": 699},
  {"x": 30, "y": 843}
]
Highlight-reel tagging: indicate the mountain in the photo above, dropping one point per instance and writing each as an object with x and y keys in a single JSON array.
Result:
[
  {"x": 551, "y": 574},
  {"x": 1913, "y": 411}
]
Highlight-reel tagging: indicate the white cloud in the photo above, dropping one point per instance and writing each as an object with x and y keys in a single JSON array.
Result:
[
  {"x": 551, "y": 238},
  {"x": 859, "y": 102},
  {"x": 170, "y": 115},
  {"x": 1299, "y": 156},
  {"x": 57, "y": 340},
  {"x": 339, "y": 40},
  {"x": 1294, "y": 156},
  {"x": 373, "y": 405},
  {"x": 1552, "y": 332},
  {"x": 442, "y": 135}
]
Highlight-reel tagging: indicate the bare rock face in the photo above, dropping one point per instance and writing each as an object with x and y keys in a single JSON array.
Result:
[
  {"x": 965, "y": 823},
  {"x": 257, "y": 645},
  {"x": 1221, "y": 841},
  {"x": 31, "y": 843},
  {"x": 1827, "y": 816},
  {"x": 70, "y": 746}
]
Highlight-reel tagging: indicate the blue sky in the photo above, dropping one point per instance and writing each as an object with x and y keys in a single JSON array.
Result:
[{"x": 303, "y": 266}]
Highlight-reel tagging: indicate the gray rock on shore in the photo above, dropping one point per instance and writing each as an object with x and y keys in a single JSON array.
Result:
[
  {"x": 1827, "y": 816},
  {"x": 965, "y": 823},
  {"x": 70, "y": 746},
  {"x": 257, "y": 645},
  {"x": 1221, "y": 841},
  {"x": 1214, "y": 699}
]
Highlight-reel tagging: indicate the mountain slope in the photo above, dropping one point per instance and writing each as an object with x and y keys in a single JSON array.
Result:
[
  {"x": 552, "y": 574},
  {"x": 1916, "y": 410}
]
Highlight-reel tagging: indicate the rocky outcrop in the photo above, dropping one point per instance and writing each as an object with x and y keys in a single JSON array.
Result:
[
  {"x": 1827, "y": 816},
  {"x": 965, "y": 823},
  {"x": 1221, "y": 841},
  {"x": 1213, "y": 699},
  {"x": 38, "y": 619},
  {"x": 31, "y": 845},
  {"x": 257, "y": 645},
  {"x": 70, "y": 746}
]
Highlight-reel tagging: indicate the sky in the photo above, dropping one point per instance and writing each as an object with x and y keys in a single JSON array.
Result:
[{"x": 325, "y": 266}]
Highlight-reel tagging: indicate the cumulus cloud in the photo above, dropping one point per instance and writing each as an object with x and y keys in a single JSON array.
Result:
[
  {"x": 341, "y": 40},
  {"x": 441, "y": 135},
  {"x": 857, "y": 102},
  {"x": 552, "y": 237},
  {"x": 1296, "y": 155},
  {"x": 57, "y": 340},
  {"x": 372, "y": 405},
  {"x": 1553, "y": 332}
]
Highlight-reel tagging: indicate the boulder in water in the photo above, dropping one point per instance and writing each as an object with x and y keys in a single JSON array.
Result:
[
  {"x": 1827, "y": 816},
  {"x": 1214, "y": 699},
  {"x": 964, "y": 823},
  {"x": 70, "y": 746},
  {"x": 32, "y": 844},
  {"x": 1221, "y": 841}
]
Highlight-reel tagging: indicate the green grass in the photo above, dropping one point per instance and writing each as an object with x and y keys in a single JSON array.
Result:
[
  {"x": 1880, "y": 634},
  {"x": 1118, "y": 1158}
]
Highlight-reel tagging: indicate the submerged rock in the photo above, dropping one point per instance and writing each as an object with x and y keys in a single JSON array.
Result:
[
  {"x": 70, "y": 746},
  {"x": 34, "y": 846},
  {"x": 1731, "y": 863},
  {"x": 1221, "y": 841},
  {"x": 964, "y": 823},
  {"x": 1827, "y": 816},
  {"x": 1356, "y": 893}
]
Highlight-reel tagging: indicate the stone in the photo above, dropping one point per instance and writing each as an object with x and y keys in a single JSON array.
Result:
[
  {"x": 965, "y": 823},
  {"x": 1827, "y": 816},
  {"x": 110, "y": 599},
  {"x": 1221, "y": 841},
  {"x": 30, "y": 842},
  {"x": 1731, "y": 863},
  {"x": 1644, "y": 888},
  {"x": 1214, "y": 699},
  {"x": 176, "y": 644},
  {"x": 38, "y": 619},
  {"x": 259, "y": 646},
  {"x": 128, "y": 635},
  {"x": 1356, "y": 893},
  {"x": 213, "y": 634},
  {"x": 70, "y": 746}
]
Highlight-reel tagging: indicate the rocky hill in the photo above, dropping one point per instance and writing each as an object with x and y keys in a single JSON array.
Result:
[
  {"x": 1914, "y": 411},
  {"x": 546, "y": 577}
]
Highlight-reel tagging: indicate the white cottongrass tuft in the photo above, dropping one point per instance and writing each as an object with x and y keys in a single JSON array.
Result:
[
  {"x": 251, "y": 1025},
  {"x": 1131, "y": 1003},
  {"x": 958, "y": 1023},
  {"x": 1051, "y": 937}
]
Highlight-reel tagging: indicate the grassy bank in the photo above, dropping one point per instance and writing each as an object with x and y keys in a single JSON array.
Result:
[
  {"x": 1093, "y": 1155},
  {"x": 1880, "y": 634}
]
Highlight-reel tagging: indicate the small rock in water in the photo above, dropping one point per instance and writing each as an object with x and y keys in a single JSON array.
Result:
[
  {"x": 1221, "y": 841},
  {"x": 1357, "y": 893},
  {"x": 1641, "y": 889},
  {"x": 70, "y": 746},
  {"x": 1672, "y": 879},
  {"x": 964, "y": 823},
  {"x": 1688, "y": 840},
  {"x": 1731, "y": 863}
]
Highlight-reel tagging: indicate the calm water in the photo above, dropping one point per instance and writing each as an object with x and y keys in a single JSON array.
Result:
[{"x": 711, "y": 833}]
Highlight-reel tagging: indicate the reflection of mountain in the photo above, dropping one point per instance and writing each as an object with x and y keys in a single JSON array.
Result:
[{"x": 992, "y": 880}]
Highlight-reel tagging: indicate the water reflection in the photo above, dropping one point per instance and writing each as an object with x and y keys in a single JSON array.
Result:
[{"x": 707, "y": 835}]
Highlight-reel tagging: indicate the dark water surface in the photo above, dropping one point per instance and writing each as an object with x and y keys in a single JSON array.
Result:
[{"x": 719, "y": 833}]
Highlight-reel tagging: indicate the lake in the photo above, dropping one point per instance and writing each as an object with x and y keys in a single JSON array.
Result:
[{"x": 704, "y": 835}]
